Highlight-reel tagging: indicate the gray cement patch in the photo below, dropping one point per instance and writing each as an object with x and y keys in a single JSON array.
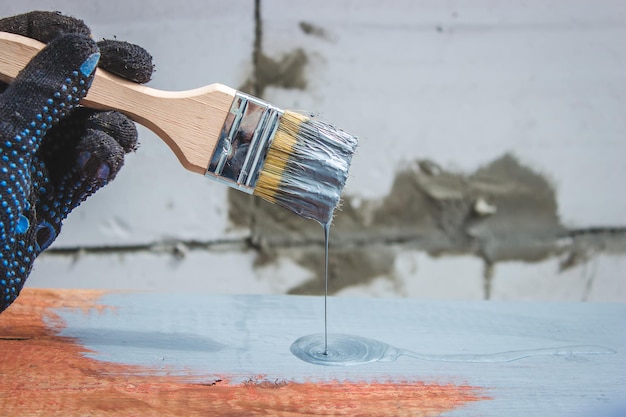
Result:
[
  {"x": 503, "y": 211},
  {"x": 285, "y": 71}
]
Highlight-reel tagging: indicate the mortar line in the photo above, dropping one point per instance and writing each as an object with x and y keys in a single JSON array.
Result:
[
  {"x": 151, "y": 247},
  {"x": 596, "y": 230},
  {"x": 589, "y": 269},
  {"x": 488, "y": 272},
  {"x": 246, "y": 243},
  {"x": 249, "y": 243},
  {"x": 257, "y": 49}
]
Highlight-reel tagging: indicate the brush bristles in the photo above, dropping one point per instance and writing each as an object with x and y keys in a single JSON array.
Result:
[
  {"x": 306, "y": 166},
  {"x": 276, "y": 161}
]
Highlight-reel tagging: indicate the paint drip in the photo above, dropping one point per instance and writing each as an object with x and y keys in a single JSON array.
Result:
[
  {"x": 347, "y": 350},
  {"x": 326, "y": 237}
]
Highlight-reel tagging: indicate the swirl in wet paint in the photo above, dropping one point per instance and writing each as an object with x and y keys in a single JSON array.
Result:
[{"x": 346, "y": 350}]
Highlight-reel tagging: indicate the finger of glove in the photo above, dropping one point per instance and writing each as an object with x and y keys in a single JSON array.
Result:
[
  {"x": 71, "y": 168},
  {"x": 45, "y": 91},
  {"x": 59, "y": 147},
  {"x": 125, "y": 59},
  {"x": 97, "y": 159},
  {"x": 43, "y": 26}
]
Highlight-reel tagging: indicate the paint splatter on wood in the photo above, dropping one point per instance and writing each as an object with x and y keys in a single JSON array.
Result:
[{"x": 42, "y": 373}]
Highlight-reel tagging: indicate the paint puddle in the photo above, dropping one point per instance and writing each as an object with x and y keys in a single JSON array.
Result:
[{"x": 347, "y": 350}]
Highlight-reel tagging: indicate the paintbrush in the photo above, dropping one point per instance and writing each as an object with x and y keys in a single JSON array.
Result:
[{"x": 287, "y": 158}]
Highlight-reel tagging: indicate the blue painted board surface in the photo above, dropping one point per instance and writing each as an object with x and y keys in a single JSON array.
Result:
[{"x": 200, "y": 336}]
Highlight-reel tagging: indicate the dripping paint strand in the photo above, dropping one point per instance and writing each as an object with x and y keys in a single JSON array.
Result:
[
  {"x": 346, "y": 350},
  {"x": 326, "y": 237}
]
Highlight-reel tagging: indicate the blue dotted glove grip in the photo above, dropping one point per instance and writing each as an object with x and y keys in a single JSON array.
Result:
[{"x": 31, "y": 211}]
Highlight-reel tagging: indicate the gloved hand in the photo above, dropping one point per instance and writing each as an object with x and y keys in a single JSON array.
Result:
[{"x": 53, "y": 153}]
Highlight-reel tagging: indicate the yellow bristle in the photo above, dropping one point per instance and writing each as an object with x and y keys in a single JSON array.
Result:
[
  {"x": 279, "y": 153},
  {"x": 292, "y": 119},
  {"x": 306, "y": 166}
]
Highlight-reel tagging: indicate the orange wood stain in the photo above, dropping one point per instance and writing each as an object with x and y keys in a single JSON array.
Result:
[{"x": 45, "y": 374}]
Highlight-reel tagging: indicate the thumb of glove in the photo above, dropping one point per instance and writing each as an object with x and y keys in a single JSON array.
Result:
[{"x": 45, "y": 91}]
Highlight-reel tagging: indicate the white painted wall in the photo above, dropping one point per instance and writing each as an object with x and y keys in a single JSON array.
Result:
[{"x": 459, "y": 82}]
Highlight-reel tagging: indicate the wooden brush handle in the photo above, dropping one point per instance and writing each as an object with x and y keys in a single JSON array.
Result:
[{"x": 189, "y": 122}]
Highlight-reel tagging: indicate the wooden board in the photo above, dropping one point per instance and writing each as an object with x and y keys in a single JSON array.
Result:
[{"x": 105, "y": 353}]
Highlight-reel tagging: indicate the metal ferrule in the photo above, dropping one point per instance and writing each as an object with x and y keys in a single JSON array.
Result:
[{"x": 243, "y": 143}]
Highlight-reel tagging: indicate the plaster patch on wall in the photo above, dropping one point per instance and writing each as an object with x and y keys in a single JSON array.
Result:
[
  {"x": 347, "y": 267},
  {"x": 504, "y": 211},
  {"x": 285, "y": 71}
]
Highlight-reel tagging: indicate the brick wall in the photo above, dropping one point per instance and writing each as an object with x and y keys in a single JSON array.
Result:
[{"x": 490, "y": 163}]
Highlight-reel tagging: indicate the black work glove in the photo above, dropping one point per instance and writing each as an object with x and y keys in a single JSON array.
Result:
[{"x": 53, "y": 153}]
